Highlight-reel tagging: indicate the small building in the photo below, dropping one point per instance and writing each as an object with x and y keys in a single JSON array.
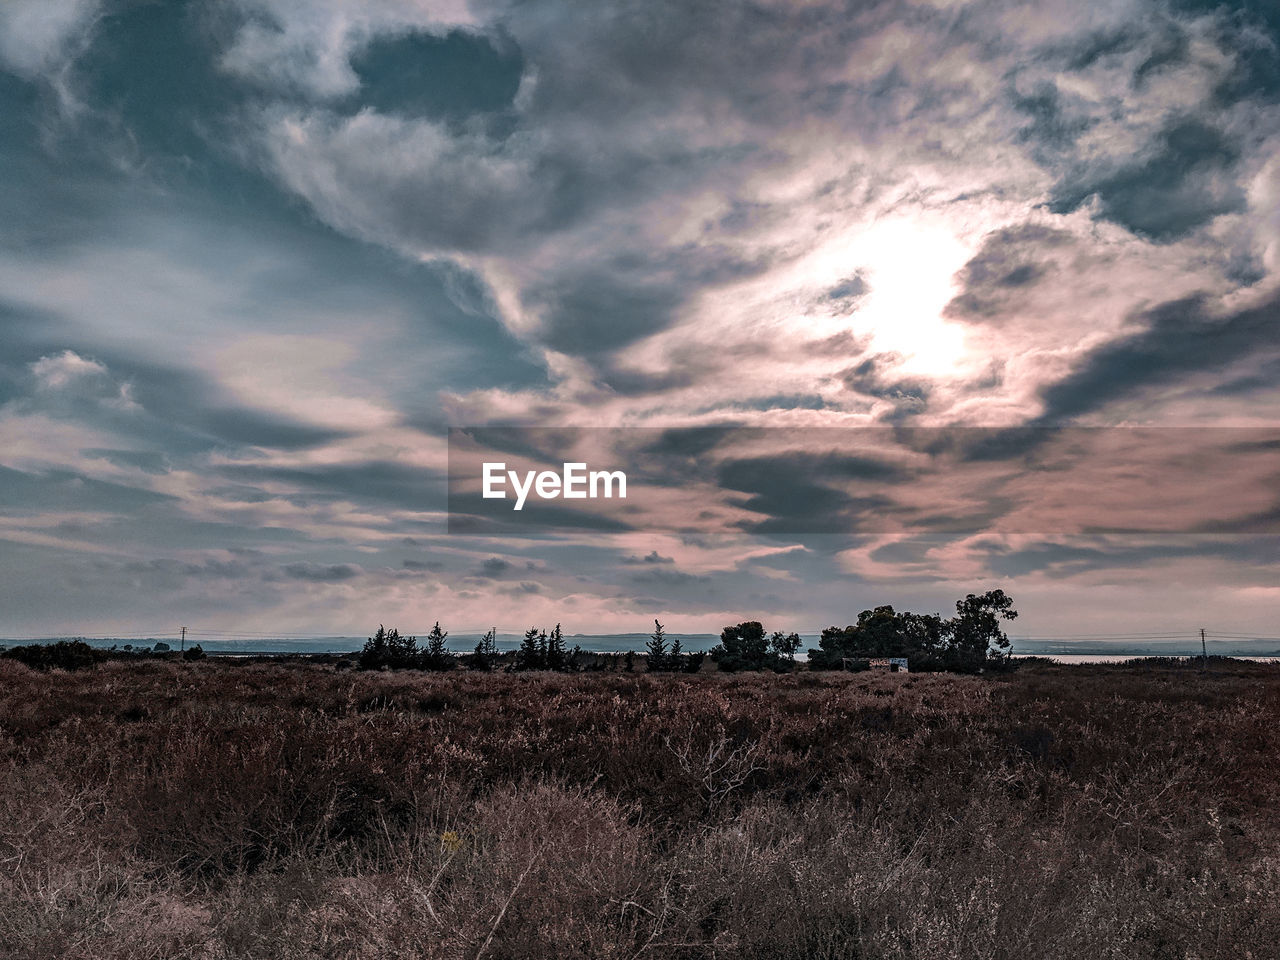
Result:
[{"x": 891, "y": 664}]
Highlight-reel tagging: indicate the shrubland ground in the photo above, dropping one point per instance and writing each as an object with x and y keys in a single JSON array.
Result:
[{"x": 223, "y": 809}]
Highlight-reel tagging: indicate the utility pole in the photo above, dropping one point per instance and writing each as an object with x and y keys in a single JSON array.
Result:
[
  {"x": 184, "y": 639},
  {"x": 1204, "y": 651}
]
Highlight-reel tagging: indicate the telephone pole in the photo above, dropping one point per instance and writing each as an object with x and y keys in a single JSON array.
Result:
[
  {"x": 184, "y": 639},
  {"x": 1204, "y": 651}
]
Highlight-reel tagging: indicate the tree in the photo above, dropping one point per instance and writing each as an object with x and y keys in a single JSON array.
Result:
[
  {"x": 656, "y": 648},
  {"x": 785, "y": 647},
  {"x": 743, "y": 647},
  {"x": 967, "y": 642},
  {"x": 402, "y": 651},
  {"x": 387, "y": 648},
  {"x": 531, "y": 655},
  {"x": 977, "y": 638},
  {"x": 437, "y": 656},
  {"x": 556, "y": 659},
  {"x": 374, "y": 654},
  {"x": 486, "y": 655}
]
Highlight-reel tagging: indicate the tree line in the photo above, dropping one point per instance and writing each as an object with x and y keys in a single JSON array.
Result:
[{"x": 970, "y": 641}]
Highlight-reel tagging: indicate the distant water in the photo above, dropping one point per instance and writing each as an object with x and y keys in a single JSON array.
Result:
[{"x": 1126, "y": 657}]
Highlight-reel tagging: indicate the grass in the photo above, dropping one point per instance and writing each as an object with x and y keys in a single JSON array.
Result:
[{"x": 230, "y": 809}]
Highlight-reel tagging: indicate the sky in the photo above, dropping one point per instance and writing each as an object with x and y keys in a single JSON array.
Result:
[{"x": 258, "y": 256}]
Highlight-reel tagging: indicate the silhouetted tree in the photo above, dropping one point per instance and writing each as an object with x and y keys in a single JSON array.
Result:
[
  {"x": 656, "y": 648},
  {"x": 374, "y": 654},
  {"x": 977, "y": 639},
  {"x": 486, "y": 655},
  {"x": 785, "y": 647},
  {"x": 387, "y": 648},
  {"x": 556, "y": 659},
  {"x": 436, "y": 656},
  {"x": 532, "y": 654},
  {"x": 967, "y": 642},
  {"x": 743, "y": 647}
]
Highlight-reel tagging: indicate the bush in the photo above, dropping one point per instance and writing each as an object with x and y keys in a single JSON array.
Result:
[
  {"x": 387, "y": 648},
  {"x": 746, "y": 647},
  {"x": 275, "y": 809},
  {"x": 63, "y": 655}
]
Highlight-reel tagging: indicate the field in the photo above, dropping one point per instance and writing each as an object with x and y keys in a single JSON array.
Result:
[{"x": 222, "y": 809}]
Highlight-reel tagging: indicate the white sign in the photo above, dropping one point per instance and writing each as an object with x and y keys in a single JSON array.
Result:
[{"x": 574, "y": 482}]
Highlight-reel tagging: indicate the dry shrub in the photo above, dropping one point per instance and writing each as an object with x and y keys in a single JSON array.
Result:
[{"x": 167, "y": 809}]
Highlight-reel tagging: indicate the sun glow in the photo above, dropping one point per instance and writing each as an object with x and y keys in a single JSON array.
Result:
[{"x": 910, "y": 269}]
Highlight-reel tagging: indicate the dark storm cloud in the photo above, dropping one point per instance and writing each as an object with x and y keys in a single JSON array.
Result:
[
  {"x": 626, "y": 298},
  {"x": 876, "y": 377},
  {"x": 1251, "y": 30},
  {"x": 790, "y": 492},
  {"x": 1053, "y": 126},
  {"x": 1065, "y": 560},
  {"x": 599, "y": 313},
  {"x": 494, "y": 567},
  {"x": 1009, "y": 261},
  {"x": 179, "y": 410},
  {"x": 1180, "y": 338},
  {"x": 1184, "y": 179}
]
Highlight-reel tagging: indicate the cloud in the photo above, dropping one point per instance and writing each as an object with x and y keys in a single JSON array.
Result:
[
  {"x": 36, "y": 35},
  {"x": 56, "y": 372},
  {"x": 494, "y": 567},
  {"x": 652, "y": 557},
  {"x": 1175, "y": 339},
  {"x": 1187, "y": 177},
  {"x": 308, "y": 47},
  {"x": 322, "y": 573},
  {"x": 422, "y": 565},
  {"x": 278, "y": 246}
]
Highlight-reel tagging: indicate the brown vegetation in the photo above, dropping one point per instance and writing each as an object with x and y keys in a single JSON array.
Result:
[{"x": 223, "y": 809}]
